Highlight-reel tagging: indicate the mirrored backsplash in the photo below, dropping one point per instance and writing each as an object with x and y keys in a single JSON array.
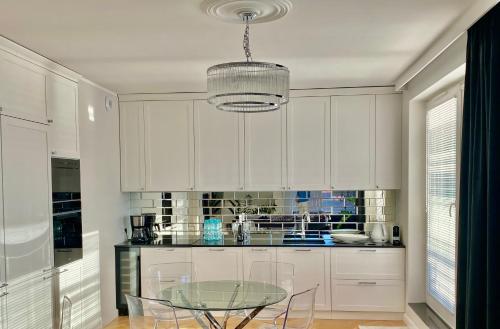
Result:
[{"x": 186, "y": 211}]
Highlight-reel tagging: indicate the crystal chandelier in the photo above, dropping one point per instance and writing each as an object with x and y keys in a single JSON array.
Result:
[{"x": 248, "y": 86}]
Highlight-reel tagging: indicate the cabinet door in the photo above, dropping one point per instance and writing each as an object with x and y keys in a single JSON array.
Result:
[
  {"x": 62, "y": 105},
  {"x": 3, "y": 308},
  {"x": 312, "y": 266},
  {"x": 151, "y": 256},
  {"x": 169, "y": 145},
  {"x": 256, "y": 254},
  {"x": 353, "y": 142},
  {"x": 388, "y": 141},
  {"x": 132, "y": 146},
  {"x": 308, "y": 143},
  {"x": 265, "y": 151},
  {"x": 22, "y": 90},
  {"x": 217, "y": 263},
  {"x": 26, "y": 196},
  {"x": 368, "y": 263},
  {"x": 29, "y": 304},
  {"x": 368, "y": 295},
  {"x": 219, "y": 148},
  {"x": 70, "y": 281}
]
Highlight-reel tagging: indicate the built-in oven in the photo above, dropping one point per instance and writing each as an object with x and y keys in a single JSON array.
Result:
[{"x": 66, "y": 210}]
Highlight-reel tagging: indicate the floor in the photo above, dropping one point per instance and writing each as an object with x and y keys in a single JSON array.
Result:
[{"x": 122, "y": 323}]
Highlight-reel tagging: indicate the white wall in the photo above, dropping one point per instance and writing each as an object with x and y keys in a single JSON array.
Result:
[
  {"x": 443, "y": 71},
  {"x": 104, "y": 207}
]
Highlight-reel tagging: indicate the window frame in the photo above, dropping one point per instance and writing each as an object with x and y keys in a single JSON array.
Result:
[{"x": 455, "y": 91}]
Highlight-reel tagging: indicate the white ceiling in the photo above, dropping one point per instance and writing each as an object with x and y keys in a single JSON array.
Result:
[{"x": 167, "y": 45}]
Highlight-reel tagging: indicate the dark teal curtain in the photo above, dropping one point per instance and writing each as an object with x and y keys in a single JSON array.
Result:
[{"x": 478, "y": 273}]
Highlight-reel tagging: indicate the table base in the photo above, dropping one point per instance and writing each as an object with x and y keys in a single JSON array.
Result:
[{"x": 222, "y": 325}]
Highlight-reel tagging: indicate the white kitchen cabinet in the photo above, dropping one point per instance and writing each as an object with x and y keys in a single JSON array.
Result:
[
  {"x": 62, "y": 108},
  {"x": 312, "y": 266},
  {"x": 353, "y": 142},
  {"x": 26, "y": 197},
  {"x": 69, "y": 284},
  {"x": 308, "y": 143},
  {"x": 169, "y": 145},
  {"x": 151, "y": 256},
  {"x": 3, "y": 308},
  {"x": 218, "y": 263},
  {"x": 219, "y": 148},
  {"x": 388, "y": 109},
  {"x": 22, "y": 89},
  {"x": 265, "y": 151},
  {"x": 29, "y": 303},
  {"x": 132, "y": 146},
  {"x": 368, "y": 295},
  {"x": 256, "y": 254},
  {"x": 368, "y": 263}
]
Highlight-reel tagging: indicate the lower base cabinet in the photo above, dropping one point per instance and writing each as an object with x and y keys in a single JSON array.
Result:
[
  {"x": 368, "y": 295},
  {"x": 312, "y": 266},
  {"x": 218, "y": 263},
  {"x": 29, "y": 304},
  {"x": 69, "y": 284}
]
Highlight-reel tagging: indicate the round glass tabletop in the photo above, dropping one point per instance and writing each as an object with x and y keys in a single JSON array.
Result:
[{"x": 223, "y": 295}]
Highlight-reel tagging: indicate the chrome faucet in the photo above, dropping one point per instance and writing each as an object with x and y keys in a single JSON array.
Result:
[{"x": 305, "y": 217}]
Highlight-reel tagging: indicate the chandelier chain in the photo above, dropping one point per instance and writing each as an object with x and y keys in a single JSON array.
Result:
[{"x": 246, "y": 40}]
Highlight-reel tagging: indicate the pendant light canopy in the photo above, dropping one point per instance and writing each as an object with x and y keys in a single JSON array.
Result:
[{"x": 248, "y": 86}]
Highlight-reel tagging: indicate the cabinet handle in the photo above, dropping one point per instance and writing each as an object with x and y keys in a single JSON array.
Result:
[
  {"x": 167, "y": 281},
  {"x": 212, "y": 249},
  {"x": 53, "y": 152},
  {"x": 302, "y": 249},
  {"x": 3, "y": 285},
  {"x": 4, "y": 294},
  {"x": 378, "y": 186},
  {"x": 367, "y": 250},
  {"x": 367, "y": 283},
  {"x": 259, "y": 249},
  {"x": 332, "y": 187},
  {"x": 167, "y": 249},
  {"x": 50, "y": 121}
]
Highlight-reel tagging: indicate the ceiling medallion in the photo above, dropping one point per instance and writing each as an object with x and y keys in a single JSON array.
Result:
[{"x": 248, "y": 86}]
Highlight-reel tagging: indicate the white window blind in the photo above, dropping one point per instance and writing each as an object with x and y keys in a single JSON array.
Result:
[{"x": 441, "y": 170}]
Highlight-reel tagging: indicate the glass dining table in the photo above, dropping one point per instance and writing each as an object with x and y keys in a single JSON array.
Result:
[{"x": 205, "y": 297}]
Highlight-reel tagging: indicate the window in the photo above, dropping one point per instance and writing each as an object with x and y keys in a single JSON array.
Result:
[{"x": 441, "y": 175}]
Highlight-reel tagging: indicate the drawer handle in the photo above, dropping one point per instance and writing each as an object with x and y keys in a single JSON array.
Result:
[
  {"x": 367, "y": 250},
  {"x": 3, "y": 285},
  {"x": 4, "y": 294},
  {"x": 259, "y": 249},
  {"x": 212, "y": 249},
  {"x": 167, "y": 281},
  {"x": 302, "y": 249},
  {"x": 166, "y": 249},
  {"x": 367, "y": 283}
]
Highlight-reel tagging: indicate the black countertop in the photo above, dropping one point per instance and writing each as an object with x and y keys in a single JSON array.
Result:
[{"x": 270, "y": 239}]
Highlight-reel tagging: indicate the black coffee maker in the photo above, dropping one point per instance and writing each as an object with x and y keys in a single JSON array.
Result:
[{"x": 142, "y": 228}]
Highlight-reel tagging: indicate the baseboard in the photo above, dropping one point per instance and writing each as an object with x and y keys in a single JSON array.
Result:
[
  {"x": 367, "y": 315},
  {"x": 412, "y": 320}
]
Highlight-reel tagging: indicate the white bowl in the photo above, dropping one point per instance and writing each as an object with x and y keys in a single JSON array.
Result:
[{"x": 349, "y": 237}]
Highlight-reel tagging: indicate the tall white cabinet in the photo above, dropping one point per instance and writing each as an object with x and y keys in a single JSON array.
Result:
[
  {"x": 219, "y": 148},
  {"x": 353, "y": 142},
  {"x": 169, "y": 145},
  {"x": 308, "y": 143},
  {"x": 26, "y": 197},
  {"x": 133, "y": 174},
  {"x": 265, "y": 151}
]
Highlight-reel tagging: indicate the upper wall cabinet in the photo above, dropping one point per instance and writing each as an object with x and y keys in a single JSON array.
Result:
[
  {"x": 308, "y": 143},
  {"x": 132, "y": 146},
  {"x": 169, "y": 145},
  {"x": 388, "y": 141},
  {"x": 22, "y": 89},
  {"x": 62, "y": 108},
  {"x": 219, "y": 148},
  {"x": 265, "y": 151},
  {"x": 353, "y": 142}
]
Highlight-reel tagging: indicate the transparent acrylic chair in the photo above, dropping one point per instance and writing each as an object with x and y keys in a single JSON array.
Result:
[
  {"x": 166, "y": 275},
  {"x": 65, "y": 322},
  {"x": 299, "y": 313},
  {"x": 278, "y": 273},
  {"x": 145, "y": 313}
]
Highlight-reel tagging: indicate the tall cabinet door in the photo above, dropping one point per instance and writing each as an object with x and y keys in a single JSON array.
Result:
[
  {"x": 169, "y": 145},
  {"x": 62, "y": 105},
  {"x": 388, "y": 141},
  {"x": 26, "y": 196},
  {"x": 308, "y": 143},
  {"x": 353, "y": 142},
  {"x": 219, "y": 148},
  {"x": 132, "y": 146},
  {"x": 265, "y": 151}
]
